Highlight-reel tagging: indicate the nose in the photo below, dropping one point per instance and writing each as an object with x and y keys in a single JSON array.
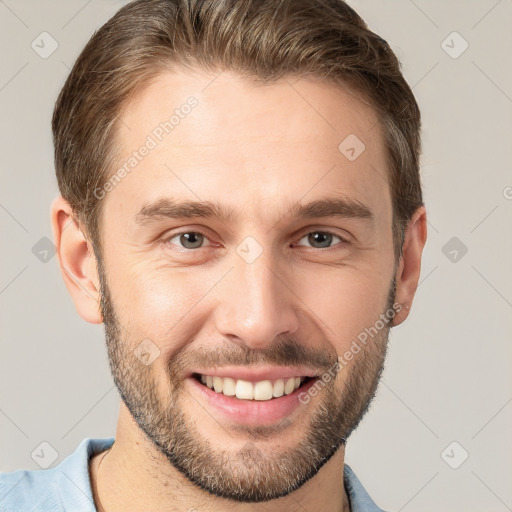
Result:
[{"x": 256, "y": 303}]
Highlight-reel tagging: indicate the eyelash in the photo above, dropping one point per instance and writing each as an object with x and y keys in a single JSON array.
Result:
[{"x": 343, "y": 242}]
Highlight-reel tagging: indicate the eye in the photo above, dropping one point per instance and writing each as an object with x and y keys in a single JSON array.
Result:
[
  {"x": 322, "y": 239},
  {"x": 189, "y": 239}
]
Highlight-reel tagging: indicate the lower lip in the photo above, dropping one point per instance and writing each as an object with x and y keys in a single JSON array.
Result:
[{"x": 252, "y": 412}]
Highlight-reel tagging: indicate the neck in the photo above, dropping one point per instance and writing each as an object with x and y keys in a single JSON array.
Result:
[{"x": 134, "y": 475}]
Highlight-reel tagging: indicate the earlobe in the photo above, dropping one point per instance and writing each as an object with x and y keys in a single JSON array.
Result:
[
  {"x": 77, "y": 261},
  {"x": 409, "y": 268}
]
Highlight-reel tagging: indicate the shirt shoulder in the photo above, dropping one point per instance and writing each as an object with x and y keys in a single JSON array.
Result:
[
  {"x": 64, "y": 488},
  {"x": 358, "y": 497}
]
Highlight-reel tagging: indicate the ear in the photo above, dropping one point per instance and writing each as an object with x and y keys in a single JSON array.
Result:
[
  {"x": 408, "y": 271},
  {"x": 77, "y": 261}
]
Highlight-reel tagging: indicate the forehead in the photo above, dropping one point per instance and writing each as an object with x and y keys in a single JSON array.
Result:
[{"x": 254, "y": 145}]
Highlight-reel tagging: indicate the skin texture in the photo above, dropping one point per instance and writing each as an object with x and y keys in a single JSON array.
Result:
[{"x": 259, "y": 149}]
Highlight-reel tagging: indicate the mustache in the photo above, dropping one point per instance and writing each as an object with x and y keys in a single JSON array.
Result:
[{"x": 283, "y": 352}]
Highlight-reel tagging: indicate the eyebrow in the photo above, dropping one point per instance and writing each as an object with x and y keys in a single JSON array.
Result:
[{"x": 167, "y": 208}]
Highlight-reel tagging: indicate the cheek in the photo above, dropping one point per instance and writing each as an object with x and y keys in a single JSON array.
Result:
[
  {"x": 345, "y": 302},
  {"x": 161, "y": 304}
]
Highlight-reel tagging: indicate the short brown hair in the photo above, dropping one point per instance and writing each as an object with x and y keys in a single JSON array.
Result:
[{"x": 263, "y": 40}]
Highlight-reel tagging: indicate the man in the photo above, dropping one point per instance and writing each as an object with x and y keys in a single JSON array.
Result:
[{"x": 241, "y": 207}]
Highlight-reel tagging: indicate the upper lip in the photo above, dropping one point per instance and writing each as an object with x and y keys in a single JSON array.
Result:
[{"x": 255, "y": 374}]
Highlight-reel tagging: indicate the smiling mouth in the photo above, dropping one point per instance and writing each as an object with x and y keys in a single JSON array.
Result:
[{"x": 262, "y": 390}]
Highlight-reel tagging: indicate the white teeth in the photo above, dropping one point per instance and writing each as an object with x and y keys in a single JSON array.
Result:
[
  {"x": 229, "y": 386},
  {"x": 245, "y": 390},
  {"x": 263, "y": 390},
  {"x": 217, "y": 384},
  {"x": 278, "y": 388},
  {"x": 289, "y": 386}
]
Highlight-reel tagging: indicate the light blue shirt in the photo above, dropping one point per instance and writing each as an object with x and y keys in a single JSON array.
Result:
[{"x": 67, "y": 487}]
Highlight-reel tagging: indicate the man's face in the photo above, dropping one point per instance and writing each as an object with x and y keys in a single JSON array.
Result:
[{"x": 265, "y": 295}]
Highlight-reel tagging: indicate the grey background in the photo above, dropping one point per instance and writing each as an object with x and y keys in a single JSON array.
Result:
[{"x": 447, "y": 377}]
